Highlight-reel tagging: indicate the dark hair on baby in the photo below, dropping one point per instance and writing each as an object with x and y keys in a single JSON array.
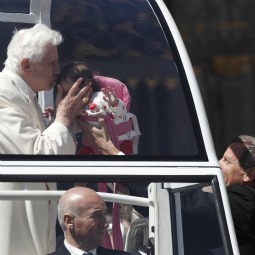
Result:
[{"x": 74, "y": 71}]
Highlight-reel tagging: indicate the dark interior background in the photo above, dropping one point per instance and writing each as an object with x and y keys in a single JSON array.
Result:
[{"x": 220, "y": 38}]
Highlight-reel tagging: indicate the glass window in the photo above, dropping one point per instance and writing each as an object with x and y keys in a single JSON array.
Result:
[
  {"x": 130, "y": 41},
  {"x": 14, "y": 6},
  {"x": 197, "y": 229},
  {"x": 125, "y": 40}
]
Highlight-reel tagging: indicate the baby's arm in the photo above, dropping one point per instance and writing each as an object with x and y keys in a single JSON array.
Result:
[
  {"x": 117, "y": 107},
  {"x": 110, "y": 97}
]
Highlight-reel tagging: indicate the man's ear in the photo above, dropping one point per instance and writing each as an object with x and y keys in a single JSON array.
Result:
[
  {"x": 25, "y": 65},
  {"x": 69, "y": 221}
]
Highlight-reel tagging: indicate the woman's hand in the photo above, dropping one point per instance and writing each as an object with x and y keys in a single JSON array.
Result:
[{"x": 98, "y": 137}]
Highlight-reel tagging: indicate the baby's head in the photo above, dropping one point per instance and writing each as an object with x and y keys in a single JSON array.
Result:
[{"x": 72, "y": 72}]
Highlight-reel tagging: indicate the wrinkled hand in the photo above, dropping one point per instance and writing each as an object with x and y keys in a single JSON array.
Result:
[
  {"x": 110, "y": 96},
  {"x": 98, "y": 137},
  {"x": 69, "y": 107}
]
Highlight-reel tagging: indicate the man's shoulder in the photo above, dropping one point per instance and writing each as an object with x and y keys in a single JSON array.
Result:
[
  {"x": 100, "y": 251},
  {"x": 61, "y": 250},
  {"x": 6, "y": 82},
  {"x": 104, "y": 251},
  {"x": 8, "y": 89}
]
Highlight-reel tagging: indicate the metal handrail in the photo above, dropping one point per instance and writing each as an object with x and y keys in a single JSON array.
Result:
[{"x": 55, "y": 195}]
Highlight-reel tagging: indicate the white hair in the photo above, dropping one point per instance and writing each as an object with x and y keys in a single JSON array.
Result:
[{"x": 30, "y": 43}]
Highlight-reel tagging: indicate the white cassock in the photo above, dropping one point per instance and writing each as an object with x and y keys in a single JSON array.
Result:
[{"x": 27, "y": 227}]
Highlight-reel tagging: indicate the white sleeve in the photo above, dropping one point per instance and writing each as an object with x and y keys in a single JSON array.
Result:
[
  {"x": 20, "y": 135},
  {"x": 60, "y": 139}
]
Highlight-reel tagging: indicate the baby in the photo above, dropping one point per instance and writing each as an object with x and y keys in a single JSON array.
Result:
[{"x": 101, "y": 101}]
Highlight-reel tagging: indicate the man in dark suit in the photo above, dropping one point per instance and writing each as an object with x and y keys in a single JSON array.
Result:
[{"x": 81, "y": 215}]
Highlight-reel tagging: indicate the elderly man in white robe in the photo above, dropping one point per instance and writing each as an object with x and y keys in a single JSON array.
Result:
[{"x": 28, "y": 227}]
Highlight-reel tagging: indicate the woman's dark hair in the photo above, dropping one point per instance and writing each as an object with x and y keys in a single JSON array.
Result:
[{"x": 247, "y": 157}]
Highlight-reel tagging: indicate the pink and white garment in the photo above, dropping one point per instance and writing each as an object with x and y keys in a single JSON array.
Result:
[
  {"x": 98, "y": 105},
  {"x": 122, "y": 125}
]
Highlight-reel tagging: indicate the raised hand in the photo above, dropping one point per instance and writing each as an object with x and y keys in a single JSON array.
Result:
[{"x": 110, "y": 96}]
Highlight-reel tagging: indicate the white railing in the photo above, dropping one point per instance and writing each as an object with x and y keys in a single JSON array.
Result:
[{"x": 55, "y": 195}]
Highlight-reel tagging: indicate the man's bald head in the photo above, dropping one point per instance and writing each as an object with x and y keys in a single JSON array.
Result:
[{"x": 76, "y": 200}]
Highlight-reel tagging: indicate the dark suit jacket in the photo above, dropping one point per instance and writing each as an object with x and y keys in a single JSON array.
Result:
[
  {"x": 242, "y": 204},
  {"x": 200, "y": 221},
  {"x": 100, "y": 251}
]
